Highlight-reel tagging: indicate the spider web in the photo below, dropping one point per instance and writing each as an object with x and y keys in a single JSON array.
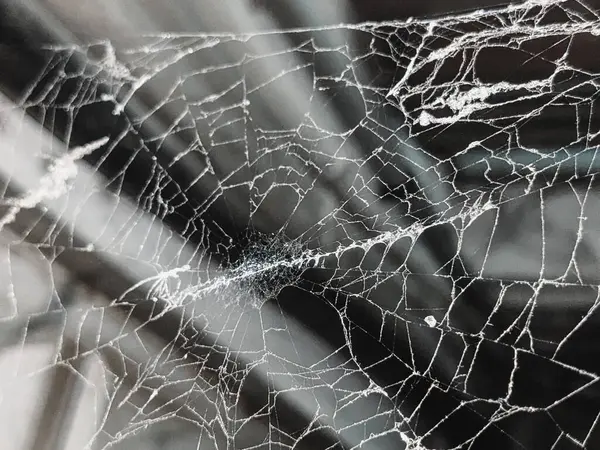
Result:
[{"x": 436, "y": 210}]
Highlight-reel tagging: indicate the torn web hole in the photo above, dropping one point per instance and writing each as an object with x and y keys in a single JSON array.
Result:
[{"x": 344, "y": 247}]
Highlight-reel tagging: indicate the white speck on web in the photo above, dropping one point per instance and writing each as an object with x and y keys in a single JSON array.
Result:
[{"x": 430, "y": 321}]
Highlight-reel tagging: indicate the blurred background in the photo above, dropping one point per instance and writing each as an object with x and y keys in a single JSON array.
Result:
[{"x": 299, "y": 224}]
